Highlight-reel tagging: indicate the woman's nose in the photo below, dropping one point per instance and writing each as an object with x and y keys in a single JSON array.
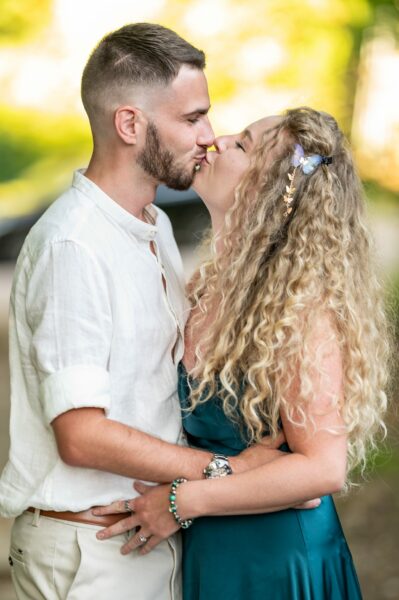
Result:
[{"x": 223, "y": 142}]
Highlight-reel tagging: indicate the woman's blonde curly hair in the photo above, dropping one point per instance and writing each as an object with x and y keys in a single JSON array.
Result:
[{"x": 274, "y": 276}]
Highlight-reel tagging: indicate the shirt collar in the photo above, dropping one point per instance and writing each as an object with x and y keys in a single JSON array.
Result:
[{"x": 125, "y": 219}]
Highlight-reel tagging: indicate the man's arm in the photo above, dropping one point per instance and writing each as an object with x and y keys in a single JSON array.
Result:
[{"x": 86, "y": 438}]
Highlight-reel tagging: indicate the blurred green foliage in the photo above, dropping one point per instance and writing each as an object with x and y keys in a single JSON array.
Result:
[
  {"x": 30, "y": 136},
  {"x": 381, "y": 196},
  {"x": 38, "y": 153},
  {"x": 22, "y": 18}
]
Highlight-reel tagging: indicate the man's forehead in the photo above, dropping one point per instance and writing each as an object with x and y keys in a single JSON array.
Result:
[
  {"x": 188, "y": 77},
  {"x": 187, "y": 94}
]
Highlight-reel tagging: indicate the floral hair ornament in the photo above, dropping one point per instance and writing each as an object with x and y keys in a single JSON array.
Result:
[{"x": 307, "y": 164}]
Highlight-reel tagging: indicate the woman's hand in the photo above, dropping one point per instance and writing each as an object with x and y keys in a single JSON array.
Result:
[
  {"x": 150, "y": 512},
  {"x": 258, "y": 454}
]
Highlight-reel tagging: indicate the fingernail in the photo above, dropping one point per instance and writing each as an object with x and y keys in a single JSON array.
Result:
[{"x": 100, "y": 535}]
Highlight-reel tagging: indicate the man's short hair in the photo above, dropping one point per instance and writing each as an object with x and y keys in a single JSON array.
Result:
[{"x": 136, "y": 55}]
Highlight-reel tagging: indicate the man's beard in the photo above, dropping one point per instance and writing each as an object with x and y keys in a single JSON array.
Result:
[{"x": 161, "y": 163}]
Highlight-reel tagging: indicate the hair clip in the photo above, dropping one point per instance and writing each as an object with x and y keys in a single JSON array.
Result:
[{"x": 307, "y": 164}]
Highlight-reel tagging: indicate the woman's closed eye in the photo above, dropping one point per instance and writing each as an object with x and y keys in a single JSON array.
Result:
[{"x": 240, "y": 146}]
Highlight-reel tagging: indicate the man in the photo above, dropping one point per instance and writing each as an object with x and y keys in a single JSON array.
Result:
[{"x": 96, "y": 331}]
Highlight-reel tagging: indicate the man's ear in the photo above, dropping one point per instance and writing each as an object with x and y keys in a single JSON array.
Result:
[{"x": 129, "y": 123}]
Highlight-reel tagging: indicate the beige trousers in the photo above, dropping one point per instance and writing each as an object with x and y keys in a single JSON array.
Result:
[{"x": 53, "y": 559}]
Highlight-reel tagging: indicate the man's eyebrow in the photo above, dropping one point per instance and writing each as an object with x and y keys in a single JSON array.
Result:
[{"x": 198, "y": 111}]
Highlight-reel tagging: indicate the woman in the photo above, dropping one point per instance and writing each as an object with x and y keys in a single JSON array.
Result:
[{"x": 287, "y": 328}]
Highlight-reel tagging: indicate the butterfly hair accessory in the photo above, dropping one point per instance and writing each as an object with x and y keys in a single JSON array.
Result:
[{"x": 307, "y": 164}]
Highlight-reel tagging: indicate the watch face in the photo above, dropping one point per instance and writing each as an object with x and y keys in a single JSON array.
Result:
[{"x": 218, "y": 467}]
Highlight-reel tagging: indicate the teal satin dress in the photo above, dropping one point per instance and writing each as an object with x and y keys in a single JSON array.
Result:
[{"x": 286, "y": 555}]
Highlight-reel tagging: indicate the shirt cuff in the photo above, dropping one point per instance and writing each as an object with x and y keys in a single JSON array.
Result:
[{"x": 81, "y": 386}]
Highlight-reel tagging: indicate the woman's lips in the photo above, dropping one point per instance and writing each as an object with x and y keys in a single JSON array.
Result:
[{"x": 210, "y": 157}]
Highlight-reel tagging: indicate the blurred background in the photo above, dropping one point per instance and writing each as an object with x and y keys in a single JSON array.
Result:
[{"x": 341, "y": 56}]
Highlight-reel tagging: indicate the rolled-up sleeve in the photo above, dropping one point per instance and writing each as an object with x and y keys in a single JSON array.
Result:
[{"x": 68, "y": 309}]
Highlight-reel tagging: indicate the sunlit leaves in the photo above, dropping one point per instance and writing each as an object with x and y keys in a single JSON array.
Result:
[{"x": 22, "y": 18}]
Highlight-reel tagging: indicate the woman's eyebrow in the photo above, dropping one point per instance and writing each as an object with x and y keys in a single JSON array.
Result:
[{"x": 248, "y": 134}]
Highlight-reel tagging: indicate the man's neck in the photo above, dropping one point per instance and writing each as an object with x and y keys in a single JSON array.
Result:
[{"x": 125, "y": 183}]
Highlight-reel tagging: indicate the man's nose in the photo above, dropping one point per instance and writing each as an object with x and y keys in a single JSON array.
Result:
[{"x": 206, "y": 137}]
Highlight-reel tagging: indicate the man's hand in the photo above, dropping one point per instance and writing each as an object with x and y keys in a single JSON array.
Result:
[{"x": 150, "y": 512}]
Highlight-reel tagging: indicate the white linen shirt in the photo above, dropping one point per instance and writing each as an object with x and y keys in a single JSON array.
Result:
[{"x": 90, "y": 326}]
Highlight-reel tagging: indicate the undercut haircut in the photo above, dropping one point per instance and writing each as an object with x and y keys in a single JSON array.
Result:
[{"x": 136, "y": 55}]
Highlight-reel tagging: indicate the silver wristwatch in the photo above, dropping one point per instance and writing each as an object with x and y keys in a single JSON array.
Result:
[{"x": 218, "y": 467}]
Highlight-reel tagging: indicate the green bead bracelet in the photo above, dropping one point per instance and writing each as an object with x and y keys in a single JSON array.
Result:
[{"x": 184, "y": 523}]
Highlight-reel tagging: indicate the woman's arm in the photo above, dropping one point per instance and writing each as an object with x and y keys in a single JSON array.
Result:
[
  {"x": 315, "y": 468},
  {"x": 317, "y": 465}
]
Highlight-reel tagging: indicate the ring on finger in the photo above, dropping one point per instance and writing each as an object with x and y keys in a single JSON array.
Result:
[
  {"x": 127, "y": 507},
  {"x": 142, "y": 538}
]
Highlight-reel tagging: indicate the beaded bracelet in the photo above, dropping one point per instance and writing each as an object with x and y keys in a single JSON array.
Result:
[{"x": 184, "y": 523}]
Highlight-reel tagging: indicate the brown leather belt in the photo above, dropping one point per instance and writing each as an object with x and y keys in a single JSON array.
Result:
[{"x": 85, "y": 516}]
